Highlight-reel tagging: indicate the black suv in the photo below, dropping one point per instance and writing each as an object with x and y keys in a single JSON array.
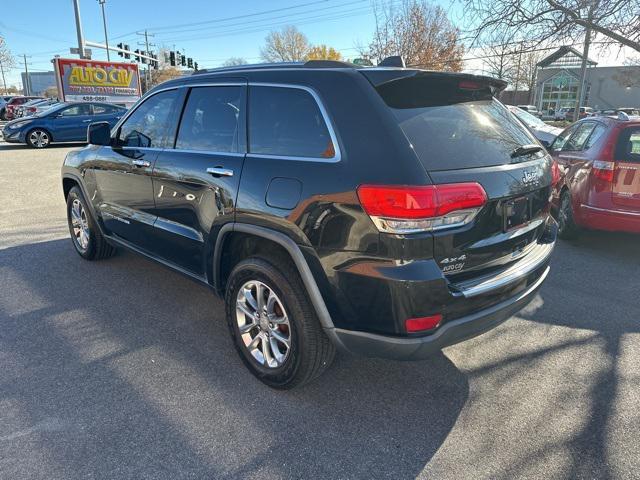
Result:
[{"x": 384, "y": 211}]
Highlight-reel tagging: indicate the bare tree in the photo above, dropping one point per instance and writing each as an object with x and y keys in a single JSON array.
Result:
[
  {"x": 322, "y": 52},
  {"x": 555, "y": 20},
  {"x": 7, "y": 62},
  {"x": 234, "y": 61},
  {"x": 156, "y": 77},
  {"x": 419, "y": 32},
  {"x": 498, "y": 56},
  {"x": 287, "y": 45}
]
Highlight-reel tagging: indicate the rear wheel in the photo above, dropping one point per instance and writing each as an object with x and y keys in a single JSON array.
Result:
[
  {"x": 38, "y": 138},
  {"x": 274, "y": 326},
  {"x": 567, "y": 227},
  {"x": 85, "y": 234}
]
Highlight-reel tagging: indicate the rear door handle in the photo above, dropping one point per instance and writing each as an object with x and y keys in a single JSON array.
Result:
[
  {"x": 220, "y": 172},
  {"x": 85, "y": 121},
  {"x": 141, "y": 163}
]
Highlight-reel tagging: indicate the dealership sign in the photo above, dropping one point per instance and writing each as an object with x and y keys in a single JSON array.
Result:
[{"x": 93, "y": 81}]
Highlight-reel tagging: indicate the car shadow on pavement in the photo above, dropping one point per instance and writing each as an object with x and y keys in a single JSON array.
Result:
[
  {"x": 122, "y": 368},
  {"x": 600, "y": 311},
  {"x": 24, "y": 146}
]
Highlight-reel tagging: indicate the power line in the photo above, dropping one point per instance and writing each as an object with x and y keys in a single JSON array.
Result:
[{"x": 218, "y": 20}]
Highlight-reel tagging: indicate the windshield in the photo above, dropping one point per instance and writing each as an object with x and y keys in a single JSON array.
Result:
[
  {"x": 463, "y": 135},
  {"x": 527, "y": 118}
]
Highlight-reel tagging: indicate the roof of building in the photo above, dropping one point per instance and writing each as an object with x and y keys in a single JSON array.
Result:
[{"x": 561, "y": 52}]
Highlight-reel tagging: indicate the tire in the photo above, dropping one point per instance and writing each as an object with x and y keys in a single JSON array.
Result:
[
  {"x": 38, "y": 138},
  {"x": 309, "y": 352},
  {"x": 567, "y": 228},
  {"x": 85, "y": 234}
]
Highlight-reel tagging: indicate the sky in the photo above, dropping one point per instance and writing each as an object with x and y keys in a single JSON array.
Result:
[{"x": 209, "y": 31}]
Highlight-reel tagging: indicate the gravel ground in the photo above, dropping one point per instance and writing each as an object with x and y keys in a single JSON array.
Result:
[{"x": 124, "y": 369}]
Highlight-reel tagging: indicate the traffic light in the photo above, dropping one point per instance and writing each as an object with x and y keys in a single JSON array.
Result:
[
  {"x": 127, "y": 55},
  {"x": 137, "y": 55},
  {"x": 121, "y": 47},
  {"x": 172, "y": 58},
  {"x": 143, "y": 59},
  {"x": 195, "y": 66},
  {"x": 183, "y": 61},
  {"x": 190, "y": 62}
]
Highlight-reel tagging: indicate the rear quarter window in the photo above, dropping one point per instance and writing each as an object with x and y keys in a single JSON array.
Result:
[{"x": 287, "y": 121}]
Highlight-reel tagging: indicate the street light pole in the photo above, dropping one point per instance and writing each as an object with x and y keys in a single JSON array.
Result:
[
  {"x": 27, "y": 86},
  {"x": 4, "y": 82},
  {"x": 104, "y": 23},
  {"x": 76, "y": 9}
]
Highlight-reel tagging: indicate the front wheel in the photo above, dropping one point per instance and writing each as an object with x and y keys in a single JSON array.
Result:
[
  {"x": 274, "y": 326},
  {"x": 38, "y": 138}
]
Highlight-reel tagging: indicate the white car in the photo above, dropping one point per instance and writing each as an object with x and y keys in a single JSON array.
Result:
[{"x": 546, "y": 134}]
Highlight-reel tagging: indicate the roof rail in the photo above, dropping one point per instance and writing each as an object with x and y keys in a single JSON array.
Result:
[
  {"x": 250, "y": 66},
  {"x": 328, "y": 64},
  {"x": 623, "y": 116}
]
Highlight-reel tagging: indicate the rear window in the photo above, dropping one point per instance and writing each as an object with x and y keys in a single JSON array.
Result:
[
  {"x": 452, "y": 127},
  {"x": 628, "y": 146}
]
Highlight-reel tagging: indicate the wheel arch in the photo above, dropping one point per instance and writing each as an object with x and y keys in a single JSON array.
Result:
[
  {"x": 51, "y": 140},
  {"x": 284, "y": 245}
]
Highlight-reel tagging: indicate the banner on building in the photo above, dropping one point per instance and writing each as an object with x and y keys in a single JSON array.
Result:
[{"x": 94, "y": 81}]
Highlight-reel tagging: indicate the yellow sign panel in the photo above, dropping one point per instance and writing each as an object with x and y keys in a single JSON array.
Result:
[{"x": 97, "y": 76}]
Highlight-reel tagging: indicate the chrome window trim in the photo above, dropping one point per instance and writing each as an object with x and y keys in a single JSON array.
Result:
[
  {"x": 206, "y": 152},
  {"x": 332, "y": 134}
]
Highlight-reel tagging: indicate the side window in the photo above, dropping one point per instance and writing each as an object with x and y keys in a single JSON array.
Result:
[
  {"x": 595, "y": 136},
  {"x": 212, "y": 120},
  {"x": 561, "y": 139},
  {"x": 628, "y": 146},
  {"x": 287, "y": 122},
  {"x": 578, "y": 139},
  {"x": 147, "y": 126},
  {"x": 99, "y": 109},
  {"x": 81, "y": 109}
]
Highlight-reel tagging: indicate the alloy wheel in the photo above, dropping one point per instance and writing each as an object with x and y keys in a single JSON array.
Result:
[
  {"x": 39, "y": 138},
  {"x": 263, "y": 324},
  {"x": 80, "y": 225}
]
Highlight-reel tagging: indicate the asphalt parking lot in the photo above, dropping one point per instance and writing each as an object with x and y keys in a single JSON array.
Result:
[{"x": 124, "y": 369}]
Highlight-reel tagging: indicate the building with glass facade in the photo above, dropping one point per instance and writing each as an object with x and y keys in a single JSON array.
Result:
[{"x": 558, "y": 81}]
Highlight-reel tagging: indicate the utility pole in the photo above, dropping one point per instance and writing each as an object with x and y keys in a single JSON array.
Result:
[
  {"x": 76, "y": 9},
  {"x": 4, "y": 82},
  {"x": 583, "y": 67},
  {"x": 515, "y": 95},
  {"x": 104, "y": 23},
  {"x": 27, "y": 80},
  {"x": 146, "y": 47}
]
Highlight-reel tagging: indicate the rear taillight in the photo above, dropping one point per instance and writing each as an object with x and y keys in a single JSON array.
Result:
[
  {"x": 555, "y": 173},
  {"x": 411, "y": 209},
  {"x": 603, "y": 170}
]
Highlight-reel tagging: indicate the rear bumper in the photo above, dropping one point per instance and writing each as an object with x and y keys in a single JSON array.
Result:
[
  {"x": 609, "y": 219},
  {"x": 455, "y": 331}
]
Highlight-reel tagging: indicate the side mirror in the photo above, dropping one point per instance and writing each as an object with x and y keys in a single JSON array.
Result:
[
  {"x": 99, "y": 133},
  {"x": 547, "y": 145}
]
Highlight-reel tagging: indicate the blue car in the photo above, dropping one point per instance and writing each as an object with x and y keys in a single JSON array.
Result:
[{"x": 65, "y": 122}]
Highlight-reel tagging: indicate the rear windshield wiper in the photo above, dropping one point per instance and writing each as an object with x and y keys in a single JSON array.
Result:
[{"x": 525, "y": 150}]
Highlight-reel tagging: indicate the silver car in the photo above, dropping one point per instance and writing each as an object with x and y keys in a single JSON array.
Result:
[{"x": 543, "y": 132}]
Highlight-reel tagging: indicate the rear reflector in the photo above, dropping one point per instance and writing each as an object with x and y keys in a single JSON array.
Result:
[
  {"x": 421, "y": 324},
  {"x": 410, "y": 209}
]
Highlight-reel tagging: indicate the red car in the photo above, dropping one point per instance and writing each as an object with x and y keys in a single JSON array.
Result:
[
  {"x": 9, "y": 113},
  {"x": 599, "y": 164}
]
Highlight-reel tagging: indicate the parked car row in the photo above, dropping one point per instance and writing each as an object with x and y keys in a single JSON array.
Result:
[
  {"x": 62, "y": 122},
  {"x": 34, "y": 106},
  {"x": 7, "y": 112}
]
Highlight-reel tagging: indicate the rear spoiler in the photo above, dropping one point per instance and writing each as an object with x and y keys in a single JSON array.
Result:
[{"x": 380, "y": 76}]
